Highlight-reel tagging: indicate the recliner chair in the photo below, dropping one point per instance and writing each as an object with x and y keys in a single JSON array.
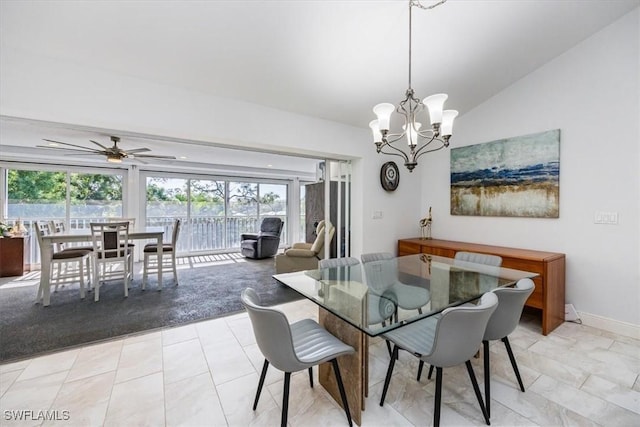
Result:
[
  {"x": 265, "y": 243},
  {"x": 305, "y": 256}
]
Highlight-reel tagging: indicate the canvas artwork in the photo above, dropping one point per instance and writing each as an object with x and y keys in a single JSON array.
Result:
[{"x": 518, "y": 176}]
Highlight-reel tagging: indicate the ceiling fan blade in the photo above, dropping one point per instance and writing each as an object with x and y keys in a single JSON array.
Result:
[
  {"x": 72, "y": 145},
  {"x": 136, "y": 160},
  {"x": 68, "y": 150},
  {"x": 151, "y": 156},
  {"x": 137, "y": 150},
  {"x": 98, "y": 144}
]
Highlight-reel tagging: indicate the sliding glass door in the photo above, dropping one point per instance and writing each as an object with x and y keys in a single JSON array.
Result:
[
  {"x": 215, "y": 212},
  {"x": 76, "y": 197},
  {"x": 329, "y": 199}
]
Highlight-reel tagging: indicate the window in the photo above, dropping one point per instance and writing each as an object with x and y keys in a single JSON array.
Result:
[
  {"x": 32, "y": 195},
  {"x": 214, "y": 211},
  {"x": 167, "y": 199},
  {"x": 273, "y": 203},
  {"x": 73, "y": 196},
  {"x": 243, "y": 211},
  {"x": 207, "y": 222},
  {"x": 93, "y": 197}
]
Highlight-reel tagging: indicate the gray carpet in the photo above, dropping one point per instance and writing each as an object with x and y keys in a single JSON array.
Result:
[{"x": 28, "y": 329}]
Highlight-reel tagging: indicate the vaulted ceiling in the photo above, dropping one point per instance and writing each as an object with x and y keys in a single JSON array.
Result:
[{"x": 328, "y": 59}]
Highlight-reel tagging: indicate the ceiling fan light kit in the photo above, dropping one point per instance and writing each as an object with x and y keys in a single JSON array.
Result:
[{"x": 419, "y": 141}]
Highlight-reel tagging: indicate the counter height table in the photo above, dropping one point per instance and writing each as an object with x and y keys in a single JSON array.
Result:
[{"x": 84, "y": 236}]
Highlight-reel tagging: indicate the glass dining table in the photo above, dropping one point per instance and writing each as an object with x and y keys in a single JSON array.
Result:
[{"x": 367, "y": 300}]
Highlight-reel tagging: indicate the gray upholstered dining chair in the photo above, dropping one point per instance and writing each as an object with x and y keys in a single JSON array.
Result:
[
  {"x": 486, "y": 282},
  {"x": 444, "y": 341},
  {"x": 502, "y": 323},
  {"x": 478, "y": 258},
  {"x": 381, "y": 275},
  {"x": 291, "y": 348}
]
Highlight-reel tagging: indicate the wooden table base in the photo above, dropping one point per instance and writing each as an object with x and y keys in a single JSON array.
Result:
[{"x": 353, "y": 368}]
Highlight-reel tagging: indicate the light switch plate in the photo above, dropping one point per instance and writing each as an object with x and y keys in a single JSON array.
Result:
[{"x": 610, "y": 218}]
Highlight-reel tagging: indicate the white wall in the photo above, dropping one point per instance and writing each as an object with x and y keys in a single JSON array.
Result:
[
  {"x": 591, "y": 93},
  {"x": 44, "y": 88}
]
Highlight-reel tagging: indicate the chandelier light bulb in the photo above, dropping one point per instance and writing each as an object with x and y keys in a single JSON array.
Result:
[
  {"x": 446, "y": 128},
  {"x": 412, "y": 133},
  {"x": 375, "y": 129},
  {"x": 383, "y": 111},
  {"x": 435, "y": 105}
]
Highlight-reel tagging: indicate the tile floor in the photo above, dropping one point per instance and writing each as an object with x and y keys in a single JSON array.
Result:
[{"x": 206, "y": 373}]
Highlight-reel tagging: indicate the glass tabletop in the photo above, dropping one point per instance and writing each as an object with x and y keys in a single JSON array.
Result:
[{"x": 383, "y": 295}]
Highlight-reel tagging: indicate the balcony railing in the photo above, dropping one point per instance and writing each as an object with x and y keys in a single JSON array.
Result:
[{"x": 198, "y": 235}]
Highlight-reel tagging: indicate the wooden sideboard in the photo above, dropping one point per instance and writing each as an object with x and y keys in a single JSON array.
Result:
[{"x": 549, "y": 293}]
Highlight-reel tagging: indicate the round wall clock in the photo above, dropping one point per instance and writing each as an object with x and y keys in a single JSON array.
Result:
[{"x": 389, "y": 176}]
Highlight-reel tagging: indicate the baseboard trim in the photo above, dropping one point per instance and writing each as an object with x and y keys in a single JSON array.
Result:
[{"x": 611, "y": 325}]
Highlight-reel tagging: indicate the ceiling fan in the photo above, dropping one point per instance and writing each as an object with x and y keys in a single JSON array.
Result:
[{"x": 114, "y": 154}]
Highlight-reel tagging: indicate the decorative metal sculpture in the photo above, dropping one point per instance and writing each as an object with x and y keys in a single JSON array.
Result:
[{"x": 425, "y": 225}]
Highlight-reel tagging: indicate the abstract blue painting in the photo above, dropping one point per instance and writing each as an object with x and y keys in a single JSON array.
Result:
[{"x": 517, "y": 176}]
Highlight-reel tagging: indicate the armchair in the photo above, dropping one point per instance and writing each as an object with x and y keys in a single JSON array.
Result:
[
  {"x": 265, "y": 243},
  {"x": 305, "y": 256}
]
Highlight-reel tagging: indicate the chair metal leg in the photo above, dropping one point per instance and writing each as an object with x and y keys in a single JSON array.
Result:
[
  {"x": 430, "y": 372},
  {"x": 420, "y": 366},
  {"x": 384, "y": 323},
  {"x": 285, "y": 399},
  {"x": 438, "y": 401},
  {"x": 311, "y": 377},
  {"x": 389, "y": 348},
  {"x": 387, "y": 379},
  {"x": 343, "y": 395},
  {"x": 487, "y": 378},
  {"x": 265, "y": 366},
  {"x": 476, "y": 389},
  {"x": 512, "y": 358}
]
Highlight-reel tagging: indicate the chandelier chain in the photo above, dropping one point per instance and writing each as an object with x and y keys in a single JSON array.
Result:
[{"x": 417, "y": 3}]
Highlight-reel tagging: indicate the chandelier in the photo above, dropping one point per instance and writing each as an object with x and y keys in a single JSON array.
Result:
[{"x": 420, "y": 141}]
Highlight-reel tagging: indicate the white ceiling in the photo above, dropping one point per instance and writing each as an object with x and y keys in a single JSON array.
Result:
[{"x": 328, "y": 59}]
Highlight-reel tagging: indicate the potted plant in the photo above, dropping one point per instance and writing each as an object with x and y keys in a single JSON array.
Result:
[{"x": 4, "y": 229}]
